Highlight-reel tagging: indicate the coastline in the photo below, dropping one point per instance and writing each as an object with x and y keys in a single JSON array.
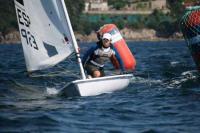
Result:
[{"x": 13, "y": 37}]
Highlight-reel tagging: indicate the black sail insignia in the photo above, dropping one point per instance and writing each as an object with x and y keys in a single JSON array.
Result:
[
  {"x": 51, "y": 50},
  {"x": 20, "y": 1}
]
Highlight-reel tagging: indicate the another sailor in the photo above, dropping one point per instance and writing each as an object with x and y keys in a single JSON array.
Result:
[{"x": 97, "y": 56}]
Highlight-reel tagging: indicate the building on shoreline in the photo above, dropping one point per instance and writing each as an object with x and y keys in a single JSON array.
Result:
[
  {"x": 187, "y": 4},
  {"x": 147, "y": 5},
  {"x": 96, "y": 5},
  {"x": 133, "y": 7}
]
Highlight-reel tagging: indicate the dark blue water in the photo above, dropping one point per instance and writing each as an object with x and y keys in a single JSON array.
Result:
[{"x": 164, "y": 96}]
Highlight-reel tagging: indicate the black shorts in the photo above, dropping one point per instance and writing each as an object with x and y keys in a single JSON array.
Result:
[{"x": 90, "y": 68}]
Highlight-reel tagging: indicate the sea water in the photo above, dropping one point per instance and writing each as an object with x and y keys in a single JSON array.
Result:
[{"x": 164, "y": 96}]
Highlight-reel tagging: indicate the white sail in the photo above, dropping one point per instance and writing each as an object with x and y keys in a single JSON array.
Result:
[
  {"x": 44, "y": 30},
  {"x": 47, "y": 38}
]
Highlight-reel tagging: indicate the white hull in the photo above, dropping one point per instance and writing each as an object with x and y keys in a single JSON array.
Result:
[{"x": 97, "y": 86}]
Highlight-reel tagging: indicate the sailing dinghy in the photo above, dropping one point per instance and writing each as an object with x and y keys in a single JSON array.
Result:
[{"x": 47, "y": 39}]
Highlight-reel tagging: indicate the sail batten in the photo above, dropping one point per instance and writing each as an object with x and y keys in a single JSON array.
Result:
[{"x": 45, "y": 35}]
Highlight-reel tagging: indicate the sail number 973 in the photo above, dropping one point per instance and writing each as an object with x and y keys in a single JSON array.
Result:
[{"x": 24, "y": 21}]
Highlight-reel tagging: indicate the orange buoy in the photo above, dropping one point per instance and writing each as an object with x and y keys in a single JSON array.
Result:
[{"x": 120, "y": 45}]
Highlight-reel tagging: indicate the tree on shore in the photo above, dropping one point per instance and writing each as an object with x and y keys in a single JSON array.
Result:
[
  {"x": 117, "y": 4},
  {"x": 82, "y": 23},
  {"x": 8, "y": 17}
]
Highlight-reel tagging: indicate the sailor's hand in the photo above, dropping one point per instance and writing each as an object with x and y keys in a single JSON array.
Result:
[{"x": 79, "y": 49}]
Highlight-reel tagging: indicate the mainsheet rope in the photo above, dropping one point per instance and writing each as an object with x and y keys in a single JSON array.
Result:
[{"x": 62, "y": 71}]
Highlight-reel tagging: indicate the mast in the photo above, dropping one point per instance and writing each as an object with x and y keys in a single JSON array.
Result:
[{"x": 74, "y": 40}]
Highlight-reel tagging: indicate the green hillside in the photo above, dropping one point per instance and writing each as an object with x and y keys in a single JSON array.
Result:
[
  {"x": 8, "y": 20},
  {"x": 84, "y": 23},
  {"x": 7, "y": 15}
]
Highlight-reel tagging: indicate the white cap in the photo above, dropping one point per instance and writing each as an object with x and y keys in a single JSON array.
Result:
[{"x": 107, "y": 36}]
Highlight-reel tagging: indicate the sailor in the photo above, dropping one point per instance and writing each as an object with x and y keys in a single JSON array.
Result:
[{"x": 96, "y": 57}]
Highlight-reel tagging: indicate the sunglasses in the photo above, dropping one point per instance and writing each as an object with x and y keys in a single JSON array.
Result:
[{"x": 106, "y": 40}]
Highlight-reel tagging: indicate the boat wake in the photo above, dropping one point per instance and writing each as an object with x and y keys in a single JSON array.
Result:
[
  {"x": 148, "y": 81},
  {"x": 187, "y": 79},
  {"x": 52, "y": 91},
  {"x": 26, "y": 91}
]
